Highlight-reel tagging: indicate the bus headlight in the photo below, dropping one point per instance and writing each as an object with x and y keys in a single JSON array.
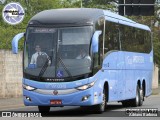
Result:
[
  {"x": 27, "y": 87},
  {"x": 84, "y": 87}
]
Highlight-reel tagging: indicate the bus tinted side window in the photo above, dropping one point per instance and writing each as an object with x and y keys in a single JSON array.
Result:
[
  {"x": 111, "y": 37},
  {"x": 126, "y": 39},
  {"x": 147, "y": 42},
  {"x": 135, "y": 40},
  {"x": 141, "y": 40}
]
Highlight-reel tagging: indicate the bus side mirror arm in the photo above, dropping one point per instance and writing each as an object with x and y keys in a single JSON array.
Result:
[
  {"x": 95, "y": 41},
  {"x": 15, "y": 42}
]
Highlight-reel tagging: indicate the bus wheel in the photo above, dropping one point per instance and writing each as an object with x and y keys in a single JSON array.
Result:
[
  {"x": 141, "y": 94},
  {"x": 101, "y": 107},
  {"x": 135, "y": 102},
  {"x": 43, "y": 109}
]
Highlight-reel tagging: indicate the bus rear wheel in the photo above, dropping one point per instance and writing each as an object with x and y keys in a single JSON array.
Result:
[
  {"x": 141, "y": 93},
  {"x": 44, "y": 109},
  {"x": 136, "y": 101}
]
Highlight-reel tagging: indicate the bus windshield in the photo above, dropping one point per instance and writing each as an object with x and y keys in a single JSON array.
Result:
[{"x": 57, "y": 53}]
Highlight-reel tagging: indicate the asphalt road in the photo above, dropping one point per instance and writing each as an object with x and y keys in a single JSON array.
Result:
[{"x": 113, "y": 110}]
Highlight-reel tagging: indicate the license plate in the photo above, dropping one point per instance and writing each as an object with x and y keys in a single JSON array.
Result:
[{"x": 56, "y": 102}]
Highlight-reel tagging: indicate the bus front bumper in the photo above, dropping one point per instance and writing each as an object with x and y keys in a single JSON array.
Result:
[{"x": 79, "y": 98}]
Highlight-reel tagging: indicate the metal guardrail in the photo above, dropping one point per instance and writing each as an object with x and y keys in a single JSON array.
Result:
[{"x": 137, "y": 4}]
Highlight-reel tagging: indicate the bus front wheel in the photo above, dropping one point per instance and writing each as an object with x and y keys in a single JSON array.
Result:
[{"x": 101, "y": 107}]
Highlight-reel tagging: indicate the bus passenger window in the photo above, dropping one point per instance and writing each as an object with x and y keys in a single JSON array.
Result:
[{"x": 111, "y": 37}]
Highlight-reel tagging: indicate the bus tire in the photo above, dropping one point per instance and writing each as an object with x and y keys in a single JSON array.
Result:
[
  {"x": 44, "y": 109},
  {"x": 135, "y": 102},
  {"x": 100, "y": 108},
  {"x": 141, "y": 94}
]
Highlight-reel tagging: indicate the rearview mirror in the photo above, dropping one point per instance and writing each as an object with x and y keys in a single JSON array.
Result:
[
  {"x": 15, "y": 42},
  {"x": 95, "y": 41}
]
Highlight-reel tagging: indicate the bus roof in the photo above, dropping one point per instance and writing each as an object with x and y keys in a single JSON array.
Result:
[
  {"x": 113, "y": 17},
  {"x": 78, "y": 16},
  {"x": 68, "y": 16}
]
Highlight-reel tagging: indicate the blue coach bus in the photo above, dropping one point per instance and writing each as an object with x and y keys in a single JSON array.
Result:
[{"x": 117, "y": 60}]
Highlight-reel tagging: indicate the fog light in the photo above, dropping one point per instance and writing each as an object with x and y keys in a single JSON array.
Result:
[
  {"x": 28, "y": 98},
  {"x": 85, "y": 97}
]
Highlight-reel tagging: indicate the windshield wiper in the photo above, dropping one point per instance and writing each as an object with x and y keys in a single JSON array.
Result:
[
  {"x": 46, "y": 65},
  {"x": 65, "y": 68},
  {"x": 43, "y": 68}
]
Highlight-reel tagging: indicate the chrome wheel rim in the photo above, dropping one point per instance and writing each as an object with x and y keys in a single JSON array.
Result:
[
  {"x": 137, "y": 97},
  {"x": 141, "y": 95}
]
